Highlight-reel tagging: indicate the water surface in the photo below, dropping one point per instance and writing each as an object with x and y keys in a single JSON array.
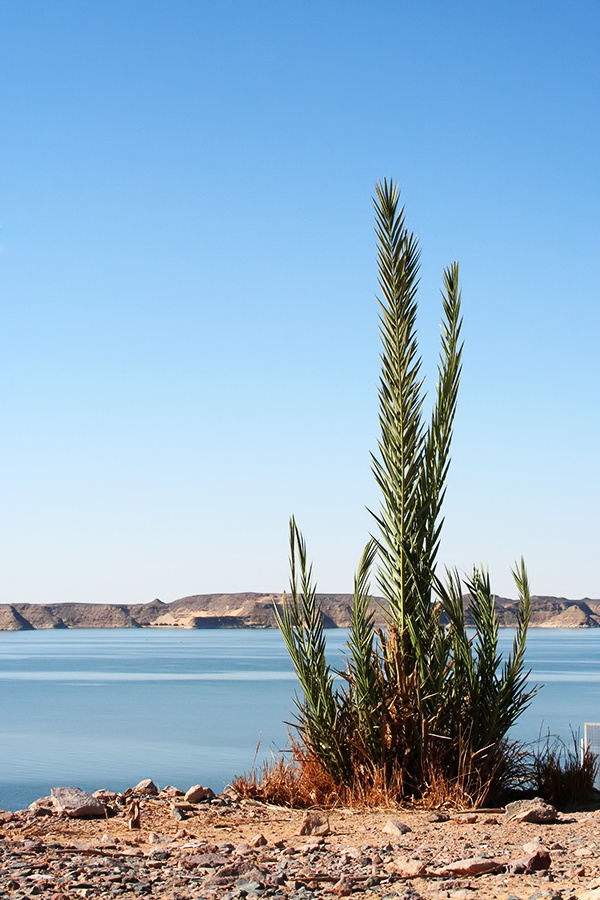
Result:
[{"x": 105, "y": 708}]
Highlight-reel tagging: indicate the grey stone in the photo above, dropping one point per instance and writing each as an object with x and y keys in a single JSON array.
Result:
[
  {"x": 248, "y": 884},
  {"x": 76, "y": 803}
]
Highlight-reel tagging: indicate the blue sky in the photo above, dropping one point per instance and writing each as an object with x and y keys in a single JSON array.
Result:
[{"x": 189, "y": 329}]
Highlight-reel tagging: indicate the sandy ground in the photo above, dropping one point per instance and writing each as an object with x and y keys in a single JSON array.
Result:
[{"x": 229, "y": 848}]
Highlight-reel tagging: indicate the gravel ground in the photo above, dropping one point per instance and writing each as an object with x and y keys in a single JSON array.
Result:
[{"x": 224, "y": 849}]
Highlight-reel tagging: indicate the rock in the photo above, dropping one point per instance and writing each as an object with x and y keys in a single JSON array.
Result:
[
  {"x": 11, "y": 620},
  {"x": 242, "y": 849},
  {"x": 170, "y": 792},
  {"x": 254, "y": 873},
  {"x": 576, "y": 872},
  {"x": 316, "y": 844},
  {"x": 315, "y": 823},
  {"x": 594, "y": 894},
  {"x": 474, "y": 865},
  {"x": 536, "y": 810},
  {"x": 38, "y": 813},
  {"x": 465, "y": 818},
  {"x": 539, "y": 861},
  {"x": 406, "y": 868},
  {"x": 248, "y": 885},
  {"x": 533, "y": 846},
  {"x": 183, "y": 805},
  {"x": 32, "y": 846},
  {"x": 220, "y": 880},
  {"x": 146, "y": 786},
  {"x": 396, "y": 828},
  {"x": 109, "y": 840},
  {"x": 154, "y": 838},
  {"x": 42, "y": 805},
  {"x": 132, "y": 815},
  {"x": 105, "y": 796},
  {"x": 258, "y": 840},
  {"x": 547, "y": 894},
  {"x": 76, "y": 803},
  {"x": 158, "y": 853},
  {"x": 437, "y": 817},
  {"x": 197, "y": 793},
  {"x": 343, "y": 887},
  {"x": 205, "y": 860}
]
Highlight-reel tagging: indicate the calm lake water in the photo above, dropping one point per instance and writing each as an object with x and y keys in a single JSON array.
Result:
[{"x": 106, "y": 708}]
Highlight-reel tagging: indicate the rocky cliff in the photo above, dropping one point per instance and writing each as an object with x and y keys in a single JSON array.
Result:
[{"x": 254, "y": 610}]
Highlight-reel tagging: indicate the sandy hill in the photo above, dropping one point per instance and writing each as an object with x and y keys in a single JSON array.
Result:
[{"x": 255, "y": 610}]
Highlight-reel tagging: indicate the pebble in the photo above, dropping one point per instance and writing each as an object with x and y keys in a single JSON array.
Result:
[
  {"x": 395, "y": 828},
  {"x": 185, "y": 867}
]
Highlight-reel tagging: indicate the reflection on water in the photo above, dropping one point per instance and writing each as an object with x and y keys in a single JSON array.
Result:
[
  {"x": 103, "y": 677},
  {"x": 106, "y": 708}
]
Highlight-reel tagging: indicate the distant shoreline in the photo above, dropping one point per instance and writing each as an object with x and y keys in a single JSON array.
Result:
[{"x": 255, "y": 610}]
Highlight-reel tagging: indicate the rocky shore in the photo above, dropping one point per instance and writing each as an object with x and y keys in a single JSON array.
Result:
[
  {"x": 198, "y": 846},
  {"x": 255, "y": 610}
]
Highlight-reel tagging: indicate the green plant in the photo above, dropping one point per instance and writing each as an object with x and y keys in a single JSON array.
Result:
[
  {"x": 413, "y": 460},
  {"x": 485, "y": 695},
  {"x": 424, "y": 708},
  {"x": 301, "y": 625}
]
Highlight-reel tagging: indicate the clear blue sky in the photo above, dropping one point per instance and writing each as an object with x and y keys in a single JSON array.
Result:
[{"x": 189, "y": 330}]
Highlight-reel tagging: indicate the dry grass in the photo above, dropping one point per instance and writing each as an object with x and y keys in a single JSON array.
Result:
[
  {"x": 296, "y": 779},
  {"x": 463, "y": 792},
  {"x": 561, "y": 774}
]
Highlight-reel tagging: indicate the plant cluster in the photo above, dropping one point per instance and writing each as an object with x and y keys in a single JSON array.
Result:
[
  {"x": 423, "y": 707},
  {"x": 400, "y": 721}
]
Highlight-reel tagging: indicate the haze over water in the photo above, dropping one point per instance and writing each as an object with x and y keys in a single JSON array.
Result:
[{"x": 105, "y": 708}]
